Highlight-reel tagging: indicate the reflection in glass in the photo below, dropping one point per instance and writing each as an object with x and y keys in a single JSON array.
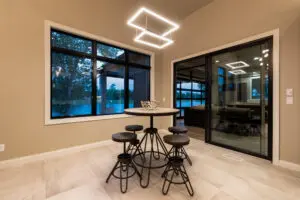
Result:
[
  {"x": 137, "y": 58},
  {"x": 71, "y": 85},
  {"x": 139, "y": 88},
  {"x": 110, "y": 52},
  {"x": 110, "y": 88},
  {"x": 196, "y": 95},
  {"x": 177, "y": 103},
  {"x": 186, "y": 85},
  {"x": 196, "y": 102},
  {"x": 69, "y": 42},
  {"x": 177, "y": 93},
  {"x": 185, "y": 94},
  {"x": 186, "y": 103},
  {"x": 239, "y": 115}
]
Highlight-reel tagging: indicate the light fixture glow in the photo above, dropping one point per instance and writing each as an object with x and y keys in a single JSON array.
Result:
[
  {"x": 260, "y": 59},
  {"x": 217, "y": 61},
  {"x": 238, "y": 65},
  {"x": 237, "y": 72},
  {"x": 144, "y": 33},
  {"x": 266, "y": 55},
  {"x": 261, "y": 64},
  {"x": 130, "y": 22},
  {"x": 257, "y": 58},
  {"x": 256, "y": 74},
  {"x": 265, "y": 51}
]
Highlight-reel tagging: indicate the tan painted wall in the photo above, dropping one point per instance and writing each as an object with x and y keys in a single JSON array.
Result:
[
  {"x": 22, "y": 127},
  {"x": 225, "y": 21}
]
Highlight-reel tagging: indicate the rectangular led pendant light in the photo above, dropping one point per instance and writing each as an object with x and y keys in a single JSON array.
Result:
[
  {"x": 237, "y": 65},
  {"x": 237, "y": 72},
  {"x": 166, "y": 41},
  {"x": 142, "y": 10}
]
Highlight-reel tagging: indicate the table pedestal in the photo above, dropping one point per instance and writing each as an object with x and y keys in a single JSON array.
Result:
[{"x": 155, "y": 154}]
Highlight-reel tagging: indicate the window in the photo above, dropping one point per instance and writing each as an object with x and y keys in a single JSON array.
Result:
[
  {"x": 221, "y": 79},
  {"x": 188, "y": 94},
  {"x": 90, "y": 78}
]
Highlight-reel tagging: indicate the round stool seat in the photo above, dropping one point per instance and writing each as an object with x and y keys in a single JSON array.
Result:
[
  {"x": 178, "y": 130},
  {"x": 134, "y": 128},
  {"x": 177, "y": 140},
  {"x": 123, "y": 137}
]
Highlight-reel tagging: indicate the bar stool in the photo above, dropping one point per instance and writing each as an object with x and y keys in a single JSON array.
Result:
[
  {"x": 124, "y": 162},
  {"x": 176, "y": 130},
  {"x": 134, "y": 143},
  {"x": 175, "y": 168}
]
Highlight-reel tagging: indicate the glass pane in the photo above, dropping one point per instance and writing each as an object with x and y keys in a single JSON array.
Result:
[
  {"x": 202, "y": 94},
  {"x": 178, "y": 85},
  {"x": 110, "y": 52},
  {"x": 203, "y": 86},
  {"x": 239, "y": 115},
  {"x": 71, "y": 86},
  {"x": 196, "y": 102},
  {"x": 110, "y": 88},
  {"x": 139, "y": 58},
  {"x": 139, "y": 86},
  {"x": 256, "y": 89},
  {"x": 196, "y": 95},
  {"x": 177, "y": 103},
  {"x": 185, "y": 94},
  {"x": 177, "y": 93},
  {"x": 182, "y": 112},
  {"x": 70, "y": 42},
  {"x": 196, "y": 86},
  {"x": 203, "y": 102},
  {"x": 186, "y": 85},
  {"x": 221, "y": 71},
  {"x": 186, "y": 103}
]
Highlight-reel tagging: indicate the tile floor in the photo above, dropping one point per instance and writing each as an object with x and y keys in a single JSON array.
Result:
[{"x": 216, "y": 174}]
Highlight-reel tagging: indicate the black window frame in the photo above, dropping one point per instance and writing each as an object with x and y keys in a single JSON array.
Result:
[{"x": 94, "y": 57}]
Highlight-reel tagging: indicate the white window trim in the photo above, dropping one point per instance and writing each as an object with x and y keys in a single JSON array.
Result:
[
  {"x": 47, "y": 42},
  {"x": 276, "y": 89}
]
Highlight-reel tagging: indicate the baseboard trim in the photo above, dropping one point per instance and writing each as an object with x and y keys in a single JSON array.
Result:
[
  {"x": 289, "y": 165},
  {"x": 51, "y": 154}
]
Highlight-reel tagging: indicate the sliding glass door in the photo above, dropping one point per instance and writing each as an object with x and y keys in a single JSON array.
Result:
[{"x": 241, "y": 98}]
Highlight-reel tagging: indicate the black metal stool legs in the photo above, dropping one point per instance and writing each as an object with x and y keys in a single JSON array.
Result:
[
  {"x": 123, "y": 164},
  {"x": 186, "y": 156},
  {"x": 112, "y": 171},
  {"x": 175, "y": 168}
]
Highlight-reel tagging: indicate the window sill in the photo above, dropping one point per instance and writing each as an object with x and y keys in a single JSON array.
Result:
[{"x": 85, "y": 119}]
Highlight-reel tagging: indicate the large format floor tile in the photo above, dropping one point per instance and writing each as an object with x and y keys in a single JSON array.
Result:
[{"x": 216, "y": 174}]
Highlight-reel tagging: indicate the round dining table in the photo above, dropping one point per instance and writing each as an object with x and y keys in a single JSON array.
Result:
[{"x": 154, "y": 153}]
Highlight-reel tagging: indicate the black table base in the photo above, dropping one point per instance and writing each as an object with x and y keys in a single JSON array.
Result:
[{"x": 155, "y": 154}]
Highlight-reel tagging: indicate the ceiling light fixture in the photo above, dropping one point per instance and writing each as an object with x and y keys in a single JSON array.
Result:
[
  {"x": 238, "y": 65},
  {"x": 256, "y": 74},
  {"x": 173, "y": 25},
  {"x": 257, "y": 58},
  {"x": 217, "y": 61},
  {"x": 237, "y": 72},
  {"x": 167, "y": 41},
  {"x": 265, "y": 51},
  {"x": 266, "y": 55}
]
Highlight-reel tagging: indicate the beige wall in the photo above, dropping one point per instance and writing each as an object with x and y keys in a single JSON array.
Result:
[
  {"x": 22, "y": 127},
  {"x": 225, "y": 21}
]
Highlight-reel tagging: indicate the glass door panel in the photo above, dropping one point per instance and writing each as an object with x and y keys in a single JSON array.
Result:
[{"x": 240, "y": 98}]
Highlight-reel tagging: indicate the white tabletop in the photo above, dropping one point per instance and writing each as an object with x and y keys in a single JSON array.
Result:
[{"x": 155, "y": 112}]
